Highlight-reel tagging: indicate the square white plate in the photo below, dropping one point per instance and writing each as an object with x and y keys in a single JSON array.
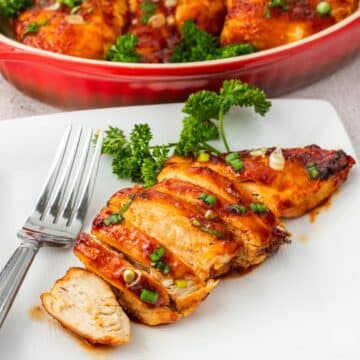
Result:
[{"x": 302, "y": 303}]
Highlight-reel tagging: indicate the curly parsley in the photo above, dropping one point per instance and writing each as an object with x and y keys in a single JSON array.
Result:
[
  {"x": 137, "y": 159},
  {"x": 124, "y": 49},
  {"x": 198, "y": 45},
  {"x": 11, "y": 8}
]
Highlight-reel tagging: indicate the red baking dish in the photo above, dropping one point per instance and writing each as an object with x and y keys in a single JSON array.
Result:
[{"x": 75, "y": 83}]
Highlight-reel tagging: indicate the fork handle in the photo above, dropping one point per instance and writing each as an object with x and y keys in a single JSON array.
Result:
[{"x": 13, "y": 274}]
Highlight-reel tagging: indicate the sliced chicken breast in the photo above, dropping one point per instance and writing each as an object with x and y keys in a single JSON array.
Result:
[{"x": 86, "y": 305}]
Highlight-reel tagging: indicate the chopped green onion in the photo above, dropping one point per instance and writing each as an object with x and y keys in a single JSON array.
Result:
[
  {"x": 149, "y": 296},
  {"x": 211, "y": 200},
  {"x": 166, "y": 270},
  {"x": 232, "y": 156},
  {"x": 203, "y": 196},
  {"x": 129, "y": 276},
  {"x": 239, "y": 209},
  {"x": 203, "y": 157},
  {"x": 118, "y": 217},
  {"x": 258, "y": 208},
  {"x": 196, "y": 222},
  {"x": 181, "y": 283},
  {"x": 259, "y": 152},
  {"x": 323, "y": 8},
  {"x": 312, "y": 171},
  {"x": 113, "y": 219},
  {"x": 157, "y": 254},
  {"x": 267, "y": 13},
  {"x": 278, "y": 3},
  {"x": 217, "y": 233},
  {"x": 234, "y": 160},
  {"x": 237, "y": 164},
  {"x": 208, "y": 199}
]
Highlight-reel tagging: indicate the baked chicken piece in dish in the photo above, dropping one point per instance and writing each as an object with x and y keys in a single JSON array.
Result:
[
  {"x": 270, "y": 23},
  {"x": 208, "y": 15},
  {"x": 87, "y": 32},
  {"x": 153, "y": 23}
]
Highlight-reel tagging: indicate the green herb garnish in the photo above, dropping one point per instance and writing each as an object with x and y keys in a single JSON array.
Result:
[
  {"x": 203, "y": 157},
  {"x": 137, "y": 159},
  {"x": 207, "y": 229},
  {"x": 113, "y": 219},
  {"x": 234, "y": 161},
  {"x": 148, "y": 9},
  {"x": 157, "y": 254},
  {"x": 11, "y": 8},
  {"x": 238, "y": 209},
  {"x": 208, "y": 199},
  {"x": 149, "y": 296},
  {"x": 34, "y": 27},
  {"x": 118, "y": 217},
  {"x": 258, "y": 208},
  {"x": 312, "y": 171},
  {"x": 156, "y": 258},
  {"x": 323, "y": 8},
  {"x": 279, "y": 4},
  {"x": 70, "y": 3},
  {"x": 124, "y": 50},
  {"x": 198, "y": 45}
]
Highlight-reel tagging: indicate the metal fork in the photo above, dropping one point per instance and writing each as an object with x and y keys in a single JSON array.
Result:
[{"x": 59, "y": 212}]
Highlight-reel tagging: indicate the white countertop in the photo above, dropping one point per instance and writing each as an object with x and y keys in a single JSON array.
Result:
[{"x": 342, "y": 89}]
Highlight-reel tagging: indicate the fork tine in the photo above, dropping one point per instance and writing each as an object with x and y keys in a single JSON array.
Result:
[
  {"x": 47, "y": 189},
  {"x": 56, "y": 202},
  {"x": 80, "y": 209},
  {"x": 75, "y": 186}
]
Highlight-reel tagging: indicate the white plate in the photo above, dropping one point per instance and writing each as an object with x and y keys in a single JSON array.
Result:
[{"x": 302, "y": 303}]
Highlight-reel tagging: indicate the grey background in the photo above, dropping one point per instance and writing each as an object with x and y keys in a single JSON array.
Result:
[{"x": 342, "y": 89}]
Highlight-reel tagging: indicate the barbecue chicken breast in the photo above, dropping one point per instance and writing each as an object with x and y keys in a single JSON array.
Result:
[
  {"x": 309, "y": 177},
  {"x": 267, "y": 24},
  {"x": 87, "y": 306},
  {"x": 110, "y": 266},
  {"x": 88, "y": 33},
  {"x": 208, "y": 15},
  {"x": 153, "y": 23},
  {"x": 200, "y": 221}
]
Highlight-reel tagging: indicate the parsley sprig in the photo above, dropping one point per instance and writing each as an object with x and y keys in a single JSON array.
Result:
[
  {"x": 124, "y": 50},
  {"x": 205, "y": 106},
  {"x": 134, "y": 158},
  {"x": 198, "y": 45},
  {"x": 137, "y": 159},
  {"x": 11, "y": 8}
]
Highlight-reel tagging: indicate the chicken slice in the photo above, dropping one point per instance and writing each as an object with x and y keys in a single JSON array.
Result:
[
  {"x": 169, "y": 270},
  {"x": 88, "y": 33},
  {"x": 208, "y": 15},
  {"x": 207, "y": 246},
  {"x": 86, "y": 305},
  {"x": 267, "y": 24},
  {"x": 309, "y": 177},
  {"x": 153, "y": 309},
  {"x": 259, "y": 234}
]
